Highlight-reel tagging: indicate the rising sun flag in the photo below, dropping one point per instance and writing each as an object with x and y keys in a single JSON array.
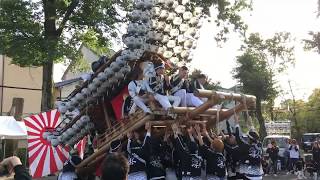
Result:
[{"x": 44, "y": 159}]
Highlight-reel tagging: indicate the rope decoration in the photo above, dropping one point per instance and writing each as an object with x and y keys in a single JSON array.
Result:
[{"x": 249, "y": 119}]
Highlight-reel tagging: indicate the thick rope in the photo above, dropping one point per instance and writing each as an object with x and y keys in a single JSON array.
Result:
[{"x": 249, "y": 119}]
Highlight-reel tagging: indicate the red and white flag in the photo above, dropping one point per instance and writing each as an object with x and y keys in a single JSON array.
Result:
[
  {"x": 81, "y": 146},
  {"x": 44, "y": 159}
]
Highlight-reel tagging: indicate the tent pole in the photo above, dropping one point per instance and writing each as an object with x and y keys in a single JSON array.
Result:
[
  {"x": 4, "y": 149},
  {"x": 26, "y": 159}
]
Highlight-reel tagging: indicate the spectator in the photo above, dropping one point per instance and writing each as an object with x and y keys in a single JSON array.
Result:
[
  {"x": 115, "y": 167},
  {"x": 316, "y": 158},
  {"x": 293, "y": 155},
  {"x": 286, "y": 155},
  {"x": 273, "y": 155},
  {"x": 13, "y": 164},
  {"x": 300, "y": 164}
]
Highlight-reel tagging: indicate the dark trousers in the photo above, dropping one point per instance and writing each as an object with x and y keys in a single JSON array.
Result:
[
  {"x": 274, "y": 165},
  {"x": 237, "y": 177},
  {"x": 292, "y": 163}
]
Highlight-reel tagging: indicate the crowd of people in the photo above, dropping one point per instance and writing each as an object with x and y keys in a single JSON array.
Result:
[
  {"x": 189, "y": 153},
  {"x": 173, "y": 91},
  {"x": 293, "y": 161}
]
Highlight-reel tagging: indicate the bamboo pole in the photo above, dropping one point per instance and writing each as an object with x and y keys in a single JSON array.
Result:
[
  {"x": 105, "y": 113},
  {"x": 103, "y": 149},
  {"x": 183, "y": 110},
  {"x": 169, "y": 122},
  {"x": 224, "y": 95},
  {"x": 202, "y": 108},
  {"x": 230, "y": 112},
  {"x": 225, "y": 114}
]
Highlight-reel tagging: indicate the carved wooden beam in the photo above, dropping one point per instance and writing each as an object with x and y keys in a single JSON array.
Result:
[{"x": 128, "y": 127}]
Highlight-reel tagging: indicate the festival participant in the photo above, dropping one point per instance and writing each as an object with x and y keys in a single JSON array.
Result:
[
  {"x": 199, "y": 83},
  {"x": 215, "y": 167},
  {"x": 115, "y": 167},
  {"x": 115, "y": 147},
  {"x": 232, "y": 154},
  {"x": 154, "y": 153},
  {"x": 273, "y": 151},
  {"x": 136, "y": 151},
  {"x": 190, "y": 160},
  {"x": 138, "y": 91},
  {"x": 69, "y": 169},
  {"x": 13, "y": 164},
  {"x": 251, "y": 167},
  {"x": 159, "y": 84},
  {"x": 168, "y": 157},
  {"x": 180, "y": 86}
]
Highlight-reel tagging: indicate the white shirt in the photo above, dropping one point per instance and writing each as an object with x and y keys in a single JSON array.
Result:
[
  {"x": 134, "y": 87},
  {"x": 293, "y": 153}
]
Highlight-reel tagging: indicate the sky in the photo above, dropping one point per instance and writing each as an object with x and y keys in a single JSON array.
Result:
[{"x": 267, "y": 17}]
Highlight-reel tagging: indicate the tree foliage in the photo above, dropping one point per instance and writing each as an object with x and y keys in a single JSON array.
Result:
[
  {"x": 25, "y": 32},
  {"x": 254, "y": 76},
  {"x": 312, "y": 44},
  {"x": 308, "y": 113},
  {"x": 258, "y": 65}
]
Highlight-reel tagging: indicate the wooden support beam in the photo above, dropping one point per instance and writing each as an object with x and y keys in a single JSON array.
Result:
[
  {"x": 229, "y": 96},
  {"x": 128, "y": 127},
  {"x": 184, "y": 110},
  {"x": 230, "y": 112},
  {"x": 105, "y": 113},
  {"x": 225, "y": 114},
  {"x": 202, "y": 108},
  {"x": 169, "y": 122}
]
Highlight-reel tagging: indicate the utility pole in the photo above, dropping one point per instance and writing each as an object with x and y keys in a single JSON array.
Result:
[{"x": 294, "y": 117}]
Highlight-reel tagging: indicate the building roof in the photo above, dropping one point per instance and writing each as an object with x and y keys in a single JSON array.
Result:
[{"x": 67, "y": 82}]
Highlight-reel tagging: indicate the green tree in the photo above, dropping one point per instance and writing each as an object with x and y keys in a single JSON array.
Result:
[
  {"x": 257, "y": 67},
  {"x": 40, "y": 33},
  {"x": 307, "y": 113},
  {"x": 311, "y": 112},
  {"x": 313, "y": 43}
]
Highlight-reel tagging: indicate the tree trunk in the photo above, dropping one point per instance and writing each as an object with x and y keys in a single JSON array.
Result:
[
  {"x": 46, "y": 101},
  {"x": 51, "y": 37},
  {"x": 262, "y": 129}
]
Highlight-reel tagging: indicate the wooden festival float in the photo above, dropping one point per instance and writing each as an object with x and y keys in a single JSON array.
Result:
[
  {"x": 163, "y": 30},
  {"x": 102, "y": 115}
]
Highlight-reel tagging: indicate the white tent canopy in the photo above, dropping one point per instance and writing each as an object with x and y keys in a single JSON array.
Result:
[{"x": 12, "y": 129}]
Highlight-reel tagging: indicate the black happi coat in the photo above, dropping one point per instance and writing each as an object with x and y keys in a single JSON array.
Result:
[
  {"x": 215, "y": 162},
  {"x": 137, "y": 155},
  {"x": 190, "y": 162}
]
